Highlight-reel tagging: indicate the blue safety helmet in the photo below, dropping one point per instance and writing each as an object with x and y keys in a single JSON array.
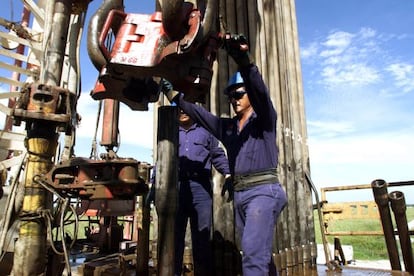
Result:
[{"x": 234, "y": 82}]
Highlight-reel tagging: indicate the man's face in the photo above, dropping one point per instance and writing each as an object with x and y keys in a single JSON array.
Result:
[
  {"x": 239, "y": 100},
  {"x": 183, "y": 118}
]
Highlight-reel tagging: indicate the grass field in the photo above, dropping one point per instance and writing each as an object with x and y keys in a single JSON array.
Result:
[{"x": 364, "y": 247}]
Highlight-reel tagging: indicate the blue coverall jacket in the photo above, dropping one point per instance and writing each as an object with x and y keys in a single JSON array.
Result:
[{"x": 249, "y": 151}]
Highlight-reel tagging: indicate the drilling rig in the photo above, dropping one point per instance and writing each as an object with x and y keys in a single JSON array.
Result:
[{"x": 52, "y": 188}]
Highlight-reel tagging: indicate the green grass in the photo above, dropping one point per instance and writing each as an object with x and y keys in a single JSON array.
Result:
[{"x": 364, "y": 247}]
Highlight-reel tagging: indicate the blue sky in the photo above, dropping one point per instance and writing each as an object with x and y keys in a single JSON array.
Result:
[{"x": 358, "y": 78}]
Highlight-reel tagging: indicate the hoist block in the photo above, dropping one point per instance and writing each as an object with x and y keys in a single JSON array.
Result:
[{"x": 143, "y": 50}]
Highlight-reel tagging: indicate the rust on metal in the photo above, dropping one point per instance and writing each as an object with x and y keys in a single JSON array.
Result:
[{"x": 97, "y": 179}]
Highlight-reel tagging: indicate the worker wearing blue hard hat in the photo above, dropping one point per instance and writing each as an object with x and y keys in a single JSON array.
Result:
[
  {"x": 235, "y": 81},
  {"x": 250, "y": 141}
]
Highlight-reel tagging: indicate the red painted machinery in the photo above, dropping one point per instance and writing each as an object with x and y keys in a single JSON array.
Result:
[{"x": 142, "y": 50}]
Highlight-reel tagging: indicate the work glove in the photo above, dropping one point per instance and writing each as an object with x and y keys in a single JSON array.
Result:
[
  {"x": 228, "y": 187},
  {"x": 237, "y": 47},
  {"x": 168, "y": 90}
]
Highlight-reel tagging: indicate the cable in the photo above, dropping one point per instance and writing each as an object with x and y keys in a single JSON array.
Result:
[
  {"x": 62, "y": 237},
  {"x": 48, "y": 219}
]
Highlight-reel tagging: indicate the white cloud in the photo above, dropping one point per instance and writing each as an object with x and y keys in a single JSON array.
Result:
[
  {"x": 349, "y": 74},
  {"x": 357, "y": 92},
  {"x": 344, "y": 58},
  {"x": 309, "y": 51},
  {"x": 336, "y": 43},
  {"x": 403, "y": 74}
]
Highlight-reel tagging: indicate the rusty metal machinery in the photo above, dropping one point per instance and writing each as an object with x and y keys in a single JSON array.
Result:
[
  {"x": 144, "y": 48},
  {"x": 98, "y": 179},
  {"x": 47, "y": 103}
]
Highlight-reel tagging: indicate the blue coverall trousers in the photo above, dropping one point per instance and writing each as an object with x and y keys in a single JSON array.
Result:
[
  {"x": 256, "y": 212},
  {"x": 194, "y": 203}
]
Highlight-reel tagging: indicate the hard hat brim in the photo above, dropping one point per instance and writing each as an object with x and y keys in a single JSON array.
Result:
[{"x": 232, "y": 87}]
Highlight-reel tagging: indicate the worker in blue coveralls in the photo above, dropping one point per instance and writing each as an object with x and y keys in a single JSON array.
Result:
[
  {"x": 198, "y": 150},
  {"x": 250, "y": 141}
]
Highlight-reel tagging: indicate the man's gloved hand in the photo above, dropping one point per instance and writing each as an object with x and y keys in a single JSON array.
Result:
[
  {"x": 228, "y": 187},
  {"x": 237, "y": 47},
  {"x": 167, "y": 88}
]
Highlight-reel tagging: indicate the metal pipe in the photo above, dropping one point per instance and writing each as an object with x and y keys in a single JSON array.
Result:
[
  {"x": 283, "y": 262},
  {"x": 173, "y": 19},
  {"x": 300, "y": 259},
  {"x": 379, "y": 188},
  {"x": 42, "y": 140},
  {"x": 94, "y": 29},
  {"x": 278, "y": 262},
  {"x": 51, "y": 73},
  {"x": 110, "y": 122},
  {"x": 175, "y": 13},
  {"x": 320, "y": 219},
  {"x": 295, "y": 259},
  {"x": 166, "y": 182},
  {"x": 314, "y": 254},
  {"x": 188, "y": 262},
  {"x": 399, "y": 208},
  {"x": 307, "y": 257},
  {"x": 30, "y": 247},
  {"x": 289, "y": 261}
]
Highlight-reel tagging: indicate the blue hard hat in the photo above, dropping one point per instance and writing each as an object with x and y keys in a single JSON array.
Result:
[{"x": 235, "y": 81}]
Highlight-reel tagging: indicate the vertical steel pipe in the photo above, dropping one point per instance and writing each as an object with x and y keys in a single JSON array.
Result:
[
  {"x": 379, "y": 188},
  {"x": 166, "y": 181},
  {"x": 283, "y": 262},
  {"x": 307, "y": 257},
  {"x": 300, "y": 259},
  {"x": 289, "y": 261},
  {"x": 51, "y": 72},
  {"x": 31, "y": 247},
  {"x": 399, "y": 208}
]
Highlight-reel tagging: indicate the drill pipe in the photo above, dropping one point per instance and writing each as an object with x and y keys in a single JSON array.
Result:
[
  {"x": 399, "y": 208},
  {"x": 166, "y": 182},
  {"x": 379, "y": 188}
]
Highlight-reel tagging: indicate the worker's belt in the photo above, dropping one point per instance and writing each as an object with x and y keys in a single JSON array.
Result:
[{"x": 245, "y": 181}]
